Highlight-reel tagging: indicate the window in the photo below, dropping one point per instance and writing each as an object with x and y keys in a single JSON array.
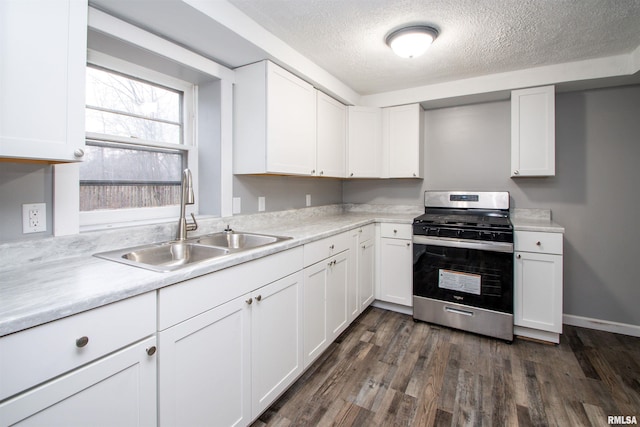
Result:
[{"x": 138, "y": 127}]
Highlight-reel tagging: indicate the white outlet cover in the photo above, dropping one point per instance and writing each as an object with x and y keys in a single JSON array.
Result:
[
  {"x": 261, "y": 203},
  {"x": 308, "y": 200},
  {"x": 34, "y": 218},
  {"x": 237, "y": 205}
]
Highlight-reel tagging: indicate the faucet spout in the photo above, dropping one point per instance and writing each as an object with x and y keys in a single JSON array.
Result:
[{"x": 186, "y": 198}]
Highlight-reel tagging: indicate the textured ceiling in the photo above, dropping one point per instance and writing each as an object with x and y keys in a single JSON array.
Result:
[{"x": 477, "y": 37}]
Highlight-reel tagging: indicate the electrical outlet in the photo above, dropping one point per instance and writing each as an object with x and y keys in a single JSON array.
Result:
[
  {"x": 34, "y": 218},
  {"x": 308, "y": 200},
  {"x": 261, "y": 202},
  {"x": 237, "y": 205}
]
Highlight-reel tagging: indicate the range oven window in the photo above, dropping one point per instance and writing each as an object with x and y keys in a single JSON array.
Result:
[{"x": 478, "y": 278}]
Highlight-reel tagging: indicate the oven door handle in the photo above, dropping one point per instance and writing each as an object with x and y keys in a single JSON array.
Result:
[{"x": 465, "y": 244}]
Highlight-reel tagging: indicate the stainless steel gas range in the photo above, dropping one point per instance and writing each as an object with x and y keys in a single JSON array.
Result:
[{"x": 463, "y": 262}]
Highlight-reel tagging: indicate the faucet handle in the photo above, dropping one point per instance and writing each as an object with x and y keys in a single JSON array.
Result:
[
  {"x": 228, "y": 229},
  {"x": 193, "y": 225}
]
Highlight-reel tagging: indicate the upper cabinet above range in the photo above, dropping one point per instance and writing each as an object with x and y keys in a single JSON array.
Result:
[
  {"x": 43, "y": 45},
  {"x": 274, "y": 122},
  {"x": 533, "y": 138}
]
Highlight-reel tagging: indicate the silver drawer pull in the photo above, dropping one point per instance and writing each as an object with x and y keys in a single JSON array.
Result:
[
  {"x": 82, "y": 341},
  {"x": 151, "y": 350},
  {"x": 456, "y": 311},
  {"x": 538, "y": 243}
]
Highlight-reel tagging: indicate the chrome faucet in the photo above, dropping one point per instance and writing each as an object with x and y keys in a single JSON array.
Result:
[{"x": 186, "y": 198}]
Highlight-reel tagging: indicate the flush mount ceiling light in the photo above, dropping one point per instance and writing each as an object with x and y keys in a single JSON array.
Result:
[{"x": 411, "y": 42}]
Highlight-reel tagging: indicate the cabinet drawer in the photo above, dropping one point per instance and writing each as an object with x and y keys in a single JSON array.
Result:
[
  {"x": 538, "y": 242},
  {"x": 396, "y": 231},
  {"x": 324, "y": 248},
  {"x": 367, "y": 232},
  {"x": 35, "y": 355}
]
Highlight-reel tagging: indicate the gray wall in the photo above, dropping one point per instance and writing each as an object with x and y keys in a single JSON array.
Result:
[
  {"x": 593, "y": 195},
  {"x": 285, "y": 192},
  {"x": 23, "y": 183}
]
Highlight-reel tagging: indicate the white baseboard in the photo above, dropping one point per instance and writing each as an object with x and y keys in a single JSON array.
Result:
[{"x": 601, "y": 325}]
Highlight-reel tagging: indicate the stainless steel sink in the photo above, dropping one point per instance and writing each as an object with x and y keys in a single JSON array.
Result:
[
  {"x": 174, "y": 255},
  {"x": 165, "y": 256},
  {"x": 238, "y": 241}
]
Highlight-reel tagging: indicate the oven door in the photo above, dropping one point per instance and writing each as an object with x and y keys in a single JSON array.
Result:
[{"x": 473, "y": 273}]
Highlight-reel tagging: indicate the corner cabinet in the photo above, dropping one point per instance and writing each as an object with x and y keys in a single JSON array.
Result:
[
  {"x": 274, "y": 122},
  {"x": 533, "y": 132},
  {"x": 537, "y": 310},
  {"x": 402, "y": 141},
  {"x": 364, "y": 142},
  {"x": 331, "y": 137},
  {"x": 43, "y": 45}
]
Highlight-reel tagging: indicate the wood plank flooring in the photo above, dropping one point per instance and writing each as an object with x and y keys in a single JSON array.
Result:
[{"x": 387, "y": 370}]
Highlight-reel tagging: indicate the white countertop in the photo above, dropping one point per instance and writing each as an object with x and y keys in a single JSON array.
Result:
[
  {"x": 40, "y": 292},
  {"x": 540, "y": 225}
]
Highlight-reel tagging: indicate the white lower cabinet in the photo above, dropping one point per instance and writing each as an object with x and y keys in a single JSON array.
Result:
[
  {"x": 205, "y": 368},
  {"x": 325, "y": 304},
  {"x": 276, "y": 340},
  {"x": 396, "y": 264},
  {"x": 223, "y": 362},
  {"x": 365, "y": 266},
  {"x": 538, "y": 269},
  {"x": 118, "y": 390},
  {"x": 227, "y": 365},
  {"x": 94, "y": 368}
]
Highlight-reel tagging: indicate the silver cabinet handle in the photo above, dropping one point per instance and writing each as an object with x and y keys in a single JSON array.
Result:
[
  {"x": 331, "y": 247},
  {"x": 351, "y": 174},
  {"x": 321, "y": 172},
  {"x": 82, "y": 341},
  {"x": 516, "y": 172},
  {"x": 538, "y": 243},
  {"x": 518, "y": 256},
  {"x": 249, "y": 301},
  {"x": 313, "y": 171},
  {"x": 259, "y": 298},
  {"x": 151, "y": 350},
  {"x": 408, "y": 244},
  {"x": 78, "y": 152},
  {"x": 395, "y": 231}
]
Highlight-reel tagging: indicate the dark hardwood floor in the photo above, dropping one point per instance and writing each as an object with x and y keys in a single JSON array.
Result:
[{"x": 388, "y": 370}]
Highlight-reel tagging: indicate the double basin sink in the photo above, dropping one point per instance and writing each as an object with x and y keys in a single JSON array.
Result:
[{"x": 173, "y": 255}]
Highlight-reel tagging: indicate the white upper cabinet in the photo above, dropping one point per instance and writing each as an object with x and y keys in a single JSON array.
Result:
[
  {"x": 533, "y": 132},
  {"x": 274, "y": 122},
  {"x": 402, "y": 141},
  {"x": 364, "y": 142},
  {"x": 42, "y": 75},
  {"x": 331, "y": 137}
]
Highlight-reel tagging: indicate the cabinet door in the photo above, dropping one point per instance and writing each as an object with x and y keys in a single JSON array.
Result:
[
  {"x": 331, "y": 137},
  {"x": 315, "y": 311},
  {"x": 291, "y": 123},
  {"x": 337, "y": 295},
  {"x": 117, "y": 390},
  {"x": 533, "y": 132},
  {"x": 402, "y": 132},
  {"x": 538, "y": 291},
  {"x": 276, "y": 340},
  {"x": 43, "y": 45},
  {"x": 366, "y": 277},
  {"x": 364, "y": 142},
  {"x": 396, "y": 271},
  {"x": 204, "y": 372}
]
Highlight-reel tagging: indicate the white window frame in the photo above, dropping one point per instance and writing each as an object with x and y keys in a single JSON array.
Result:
[{"x": 114, "y": 217}]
